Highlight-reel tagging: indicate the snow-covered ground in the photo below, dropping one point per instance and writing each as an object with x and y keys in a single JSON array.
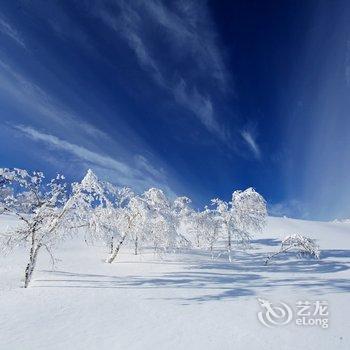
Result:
[{"x": 185, "y": 301}]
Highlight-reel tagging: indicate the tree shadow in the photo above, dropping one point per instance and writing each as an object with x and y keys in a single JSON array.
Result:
[
  {"x": 184, "y": 279},
  {"x": 289, "y": 263},
  {"x": 272, "y": 242},
  {"x": 335, "y": 253},
  {"x": 214, "y": 280}
]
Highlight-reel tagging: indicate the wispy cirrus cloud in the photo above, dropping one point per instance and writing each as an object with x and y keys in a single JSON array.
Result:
[
  {"x": 125, "y": 166},
  {"x": 138, "y": 173},
  {"x": 79, "y": 151},
  {"x": 188, "y": 38},
  {"x": 128, "y": 25},
  {"x": 249, "y": 138},
  {"x": 143, "y": 163},
  {"x": 199, "y": 104},
  {"x": 34, "y": 98},
  {"x": 10, "y": 31},
  {"x": 192, "y": 32}
]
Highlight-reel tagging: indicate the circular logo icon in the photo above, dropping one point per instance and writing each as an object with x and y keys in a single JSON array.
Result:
[{"x": 274, "y": 315}]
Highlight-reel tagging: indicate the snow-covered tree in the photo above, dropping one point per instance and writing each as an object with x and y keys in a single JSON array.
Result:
[
  {"x": 138, "y": 210},
  {"x": 131, "y": 221},
  {"x": 104, "y": 212},
  {"x": 302, "y": 245},
  {"x": 5, "y": 192},
  {"x": 250, "y": 211},
  {"x": 97, "y": 207},
  {"x": 241, "y": 217},
  {"x": 40, "y": 207},
  {"x": 162, "y": 226},
  {"x": 209, "y": 227},
  {"x": 182, "y": 216},
  {"x": 225, "y": 218}
]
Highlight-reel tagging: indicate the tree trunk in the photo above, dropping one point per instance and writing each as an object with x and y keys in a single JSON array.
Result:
[
  {"x": 136, "y": 245},
  {"x": 31, "y": 264},
  {"x": 114, "y": 254},
  {"x": 111, "y": 246},
  {"x": 27, "y": 274},
  {"x": 229, "y": 246}
]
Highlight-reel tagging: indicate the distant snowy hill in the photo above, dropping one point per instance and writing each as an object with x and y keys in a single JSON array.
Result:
[
  {"x": 179, "y": 301},
  {"x": 342, "y": 221}
]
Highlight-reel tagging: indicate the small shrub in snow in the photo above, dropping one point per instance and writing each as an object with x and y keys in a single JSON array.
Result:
[{"x": 304, "y": 246}]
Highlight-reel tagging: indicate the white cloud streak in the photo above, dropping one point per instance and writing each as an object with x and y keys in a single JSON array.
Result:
[
  {"x": 144, "y": 165},
  {"x": 10, "y": 31},
  {"x": 140, "y": 174},
  {"x": 192, "y": 31},
  {"x": 184, "y": 33},
  {"x": 251, "y": 142},
  {"x": 36, "y": 99},
  {"x": 44, "y": 110},
  {"x": 117, "y": 156},
  {"x": 79, "y": 151},
  {"x": 198, "y": 104}
]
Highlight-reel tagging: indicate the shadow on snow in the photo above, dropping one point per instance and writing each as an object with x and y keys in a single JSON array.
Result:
[{"x": 218, "y": 279}]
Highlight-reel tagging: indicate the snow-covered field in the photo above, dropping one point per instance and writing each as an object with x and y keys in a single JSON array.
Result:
[{"x": 184, "y": 301}]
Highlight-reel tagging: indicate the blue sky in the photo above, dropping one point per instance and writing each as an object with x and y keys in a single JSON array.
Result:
[{"x": 197, "y": 98}]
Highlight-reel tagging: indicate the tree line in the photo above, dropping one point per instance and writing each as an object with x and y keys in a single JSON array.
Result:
[{"x": 52, "y": 210}]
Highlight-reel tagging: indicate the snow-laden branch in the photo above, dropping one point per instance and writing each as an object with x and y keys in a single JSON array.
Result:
[{"x": 302, "y": 245}]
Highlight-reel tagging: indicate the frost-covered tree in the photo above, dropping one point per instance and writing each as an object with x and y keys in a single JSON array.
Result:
[
  {"x": 131, "y": 221},
  {"x": 225, "y": 218},
  {"x": 138, "y": 210},
  {"x": 209, "y": 227},
  {"x": 241, "y": 217},
  {"x": 105, "y": 212},
  {"x": 194, "y": 228},
  {"x": 40, "y": 207},
  {"x": 5, "y": 192},
  {"x": 250, "y": 211},
  {"x": 302, "y": 245},
  {"x": 182, "y": 216},
  {"x": 97, "y": 206},
  {"x": 122, "y": 197},
  {"x": 162, "y": 226}
]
